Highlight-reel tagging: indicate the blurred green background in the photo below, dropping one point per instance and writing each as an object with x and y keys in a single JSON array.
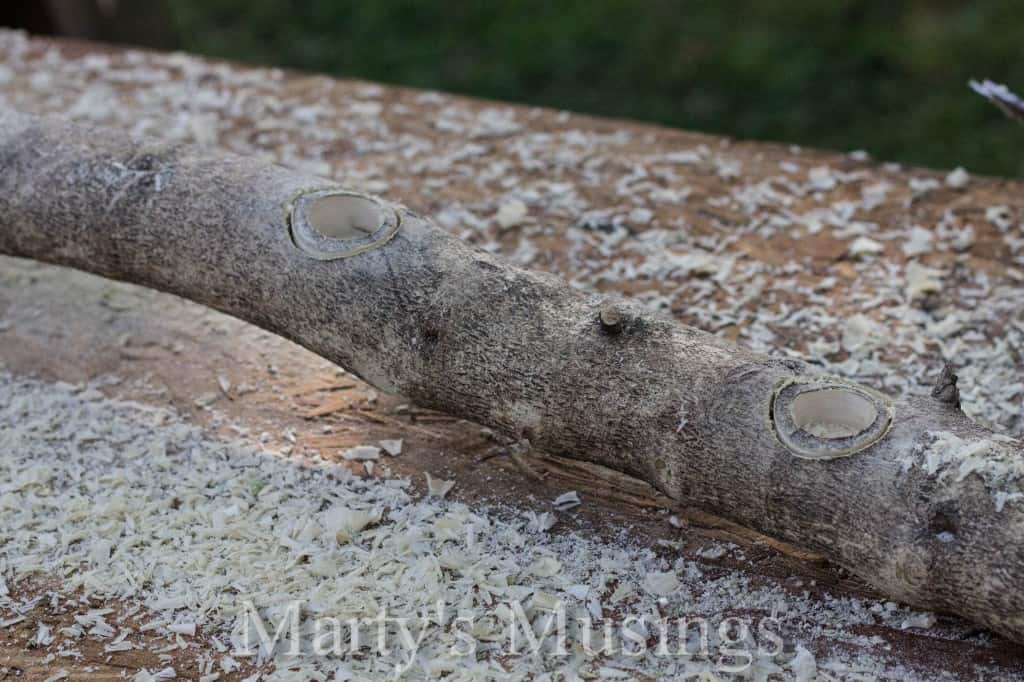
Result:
[{"x": 888, "y": 77}]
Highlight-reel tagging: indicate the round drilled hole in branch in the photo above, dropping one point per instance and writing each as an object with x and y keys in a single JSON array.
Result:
[
  {"x": 331, "y": 224},
  {"x": 832, "y": 413},
  {"x": 345, "y": 216},
  {"x": 829, "y": 417}
]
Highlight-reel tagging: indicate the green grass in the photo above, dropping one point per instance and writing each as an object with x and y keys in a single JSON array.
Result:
[{"x": 888, "y": 77}]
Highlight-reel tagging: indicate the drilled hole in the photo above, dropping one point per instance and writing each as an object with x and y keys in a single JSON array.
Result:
[
  {"x": 832, "y": 413},
  {"x": 343, "y": 216}
]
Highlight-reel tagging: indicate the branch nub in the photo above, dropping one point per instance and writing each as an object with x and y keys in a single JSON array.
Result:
[
  {"x": 945, "y": 389},
  {"x": 610, "y": 319}
]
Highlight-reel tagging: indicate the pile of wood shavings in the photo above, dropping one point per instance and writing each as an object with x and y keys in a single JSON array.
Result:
[{"x": 133, "y": 504}]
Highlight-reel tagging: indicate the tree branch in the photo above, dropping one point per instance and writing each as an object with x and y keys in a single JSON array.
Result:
[{"x": 911, "y": 496}]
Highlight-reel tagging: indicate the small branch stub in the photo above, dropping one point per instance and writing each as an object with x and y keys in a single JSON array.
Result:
[
  {"x": 610, "y": 319},
  {"x": 828, "y": 417},
  {"x": 333, "y": 223},
  {"x": 945, "y": 389}
]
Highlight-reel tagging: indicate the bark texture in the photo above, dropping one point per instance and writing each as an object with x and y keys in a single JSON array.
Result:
[{"x": 914, "y": 498}]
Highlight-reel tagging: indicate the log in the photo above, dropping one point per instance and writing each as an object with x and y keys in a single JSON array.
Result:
[{"x": 910, "y": 495}]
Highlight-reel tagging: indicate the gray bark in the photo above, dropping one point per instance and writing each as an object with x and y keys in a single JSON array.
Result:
[{"x": 911, "y": 496}]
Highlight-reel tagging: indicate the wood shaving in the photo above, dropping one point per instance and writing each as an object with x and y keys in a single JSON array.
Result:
[
  {"x": 437, "y": 487},
  {"x": 958, "y": 178},
  {"x": 862, "y": 246},
  {"x": 391, "y": 447},
  {"x": 362, "y": 453},
  {"x": 567, "y": 501}
]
